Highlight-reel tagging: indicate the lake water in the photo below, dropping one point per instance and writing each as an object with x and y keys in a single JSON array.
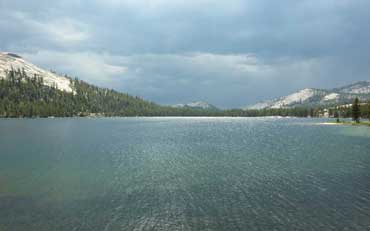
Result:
[{"x": 183, "y": 174}]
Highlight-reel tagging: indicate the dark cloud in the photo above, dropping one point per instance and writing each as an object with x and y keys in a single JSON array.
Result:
[{"x": 230, "y": 53}]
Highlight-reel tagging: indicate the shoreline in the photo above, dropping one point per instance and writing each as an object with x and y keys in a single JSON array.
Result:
[{"x": 362, "y": 123}]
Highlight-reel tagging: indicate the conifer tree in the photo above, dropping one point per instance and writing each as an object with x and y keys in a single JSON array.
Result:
[
  {"x": 336, "y": 115},
  {"x": 356, "y": 110}
]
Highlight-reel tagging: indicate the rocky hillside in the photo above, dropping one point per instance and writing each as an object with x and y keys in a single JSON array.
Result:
[
  {"x": 318, "y": 97},
  {"x": 9, "y": 61},
  {"x": 197, "y": 105}
]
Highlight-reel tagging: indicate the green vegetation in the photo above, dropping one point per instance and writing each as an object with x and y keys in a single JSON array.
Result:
[
  {"x": 336, "y": 116},
  {"x": 345, "y": 111},
  {"x": 356, "y": 113},
  {"x": 24, "y": 96}
]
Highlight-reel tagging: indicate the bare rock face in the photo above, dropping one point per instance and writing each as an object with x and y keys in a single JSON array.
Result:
[
  {"x": 318, "y": 97},
  {"x": 10, "y": 61},
  {"x": 362, "y": 87}
]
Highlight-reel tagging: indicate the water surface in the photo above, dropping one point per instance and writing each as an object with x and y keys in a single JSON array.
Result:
[{"x": 183, "y": 174}]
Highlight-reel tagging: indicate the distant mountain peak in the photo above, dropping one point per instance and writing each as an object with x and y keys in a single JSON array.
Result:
[
  {"x": 196, "y": 104},
  {"x": 11, "y": 61}
]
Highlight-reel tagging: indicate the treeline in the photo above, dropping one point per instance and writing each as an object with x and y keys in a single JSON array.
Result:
[
  {"x": 359, "y": 111},
  {"x": 25, "y": 96},
  {"x": 347, "y": 112},
  {"x": 356, "y": 110}
]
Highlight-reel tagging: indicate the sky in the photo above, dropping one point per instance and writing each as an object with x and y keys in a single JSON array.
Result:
[{"x": 230, "y": 53}]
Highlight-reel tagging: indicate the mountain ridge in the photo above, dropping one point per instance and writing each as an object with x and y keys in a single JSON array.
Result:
[
  {"x": 315, "y": 97},
  {"x": 10, "y": 61},
  {"x": 197, "y": 105},
  {"x": 308, "y": 97}
]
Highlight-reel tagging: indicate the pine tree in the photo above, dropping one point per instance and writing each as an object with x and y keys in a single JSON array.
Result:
[
  {"x": 356, "y": 110},
  {"x": 312, "y": 113},
  {"x": 336, "y": 115}
]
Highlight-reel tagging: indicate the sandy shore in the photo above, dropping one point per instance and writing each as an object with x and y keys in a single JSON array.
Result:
[
  {"x": 345, "y": 123},
  {"x": 331, "y": 123}
]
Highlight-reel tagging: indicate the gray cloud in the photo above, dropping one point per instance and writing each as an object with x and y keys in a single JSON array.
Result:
[{"x": 229, "y": 53}]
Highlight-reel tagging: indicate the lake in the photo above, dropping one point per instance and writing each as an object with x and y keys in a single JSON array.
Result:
[{"x": 183, "y": 174}]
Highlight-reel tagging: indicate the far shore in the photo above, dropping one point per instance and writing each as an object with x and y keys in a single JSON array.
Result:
[{"x": 352, "y": 123}]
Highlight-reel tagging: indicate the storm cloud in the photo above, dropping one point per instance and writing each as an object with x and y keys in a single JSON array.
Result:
[{"x": 229, "y": 53}]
